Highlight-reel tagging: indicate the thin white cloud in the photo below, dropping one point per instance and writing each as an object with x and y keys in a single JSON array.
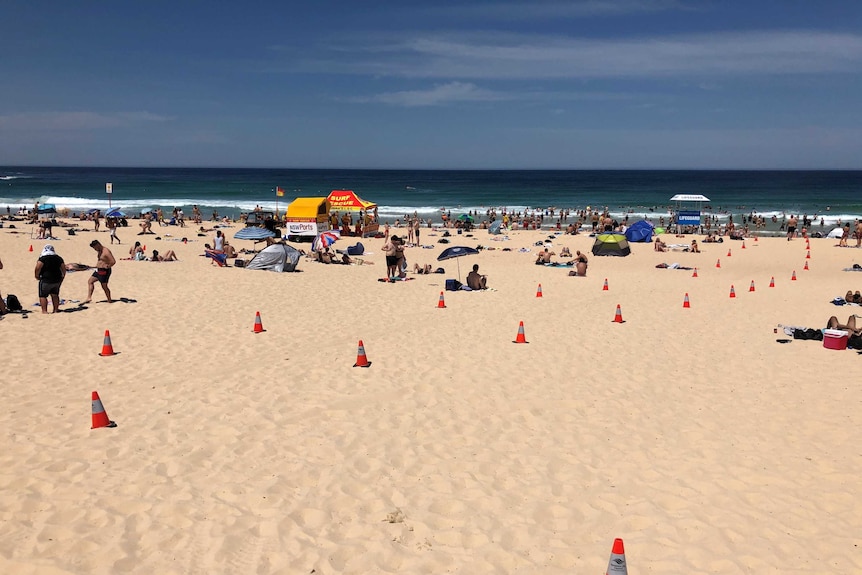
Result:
[
  {"x": 435, "y": 96},
  {"x": 517, "y": 57},
  {"x": 520, "y": 11},
  {"x": 75, "y": 121},
  {"x": 453, "y": 92}
]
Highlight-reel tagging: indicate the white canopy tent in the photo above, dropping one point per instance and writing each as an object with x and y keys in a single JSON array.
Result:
[{"x": 688, "y": 210}]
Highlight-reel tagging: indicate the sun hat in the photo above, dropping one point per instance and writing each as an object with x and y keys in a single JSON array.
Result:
[{"x": 48, "y": 250}]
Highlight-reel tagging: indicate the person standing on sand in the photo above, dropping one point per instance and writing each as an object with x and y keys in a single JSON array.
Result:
[
  {"x": 104, "y": 263},
  {"x": 3, "y": 309},
  {"x": 858, "y": 233},
  {"x": 791, "y": 227},
  {"x": 50, "y": 271},
  {"x": 112, "y": 224}
]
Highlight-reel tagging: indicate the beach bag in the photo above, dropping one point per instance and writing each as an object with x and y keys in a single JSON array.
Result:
[
  {"x": 453, "y": 285},
  {"x": 12, "y": 303}
]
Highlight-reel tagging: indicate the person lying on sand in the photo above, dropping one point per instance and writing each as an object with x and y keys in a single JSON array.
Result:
[
  {"x": 168, "y": 256},
  {"x": 849, "y": 327}
]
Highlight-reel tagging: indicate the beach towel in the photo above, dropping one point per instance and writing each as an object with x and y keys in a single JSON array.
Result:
[
  {"x": 855, "y": 268},
  {"x": 217, "y": 257}
]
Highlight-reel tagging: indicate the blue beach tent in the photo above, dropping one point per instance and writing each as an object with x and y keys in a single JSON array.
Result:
[{"x": 641, "y": 231}]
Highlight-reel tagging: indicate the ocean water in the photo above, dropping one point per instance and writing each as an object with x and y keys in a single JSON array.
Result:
[{"x": 832, "y": 195}]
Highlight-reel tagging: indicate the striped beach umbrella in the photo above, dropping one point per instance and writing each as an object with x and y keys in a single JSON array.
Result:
[{"x": 323, "y": 240}]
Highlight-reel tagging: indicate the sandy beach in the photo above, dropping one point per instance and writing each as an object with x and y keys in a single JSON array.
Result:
[{"x": 690, "y": 433}]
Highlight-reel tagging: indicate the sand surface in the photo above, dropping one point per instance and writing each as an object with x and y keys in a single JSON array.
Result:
[{"x": 688, "y": 432}]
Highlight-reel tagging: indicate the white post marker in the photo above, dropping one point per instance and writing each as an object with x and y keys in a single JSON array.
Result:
[{"x": 109, "y": 189}]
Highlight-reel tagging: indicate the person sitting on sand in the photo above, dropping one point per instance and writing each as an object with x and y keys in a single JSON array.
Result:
[
  {"x": 545, "y": 257},
  {"x": 659, "y": 245},
  {"x": 169, "y": 256},
  {"x": 476, "y": 281},
  {"x": 694, "y": 247},
  {"x": 136, "y": 252},
  {"x": 229, "y": 250},
  {"x": 325, "y": 257},
  {"x": 849, "y": 327},
  {"x": 426, "y": 269},
  {"x": 565, "y": 252},
  {"x": 581, "y": 262}
]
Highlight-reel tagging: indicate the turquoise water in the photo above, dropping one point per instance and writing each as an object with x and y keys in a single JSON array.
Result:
[{"x": 830, "y": 194}]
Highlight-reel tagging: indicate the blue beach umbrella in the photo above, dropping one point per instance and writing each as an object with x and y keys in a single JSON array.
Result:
[
  {"x": 457, "y": 252},
  {"x": 254, "y": 233},
  {"x": 115, "y": 213}
]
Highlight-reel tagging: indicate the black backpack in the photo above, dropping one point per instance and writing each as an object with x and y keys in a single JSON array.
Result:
[{"x": 12, "y": 303}]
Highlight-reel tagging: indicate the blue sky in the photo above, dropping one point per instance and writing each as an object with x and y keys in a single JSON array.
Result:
[{"x": 483, "y": 84}]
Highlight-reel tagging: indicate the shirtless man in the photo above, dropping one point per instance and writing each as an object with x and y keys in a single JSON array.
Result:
[
  {"x": 791, "y": 227},
  {"x": 475, "y": 280},
  {"x": 858, "y": 233},
  {"x": 545, "y": 257},
  {"x": 103, "y": 271}
]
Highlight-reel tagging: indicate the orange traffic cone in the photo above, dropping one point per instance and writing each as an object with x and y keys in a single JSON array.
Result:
[
  {"x": 772, "y": 282},
  {"x": 107, "y": 348},
  {"x": 617, "y": 562},
  {"x": 808, "y": 255},
  {"x": 805, "y": 268},
  {"x": 751, "y": 287},
  {"x": 743, "y": 244},
  {"x": 539, "y": 291},
  {"x": 755, "y": 238},
  {"x": 685, "y": 302},
  {"x": 258, "y": 325},
  {"x": 521, "y": 337},
  {"x": 31, "y": 247},
  {"x": 694, "y": 274},
  {"x": 361, "y": 358},
  {"x": 441, "y": 303},
  {"x": 732, "y": 291},
  {"x": 605, "y": 287},
  {"x": 728, "y": 252},
  {"x": 144, "y": 247},
  {"x": 718, "y": 263},
  {"x": 100, "y": 418},
  {"x": 793, "y": 277},
  {"x": 618, "y": 316}
]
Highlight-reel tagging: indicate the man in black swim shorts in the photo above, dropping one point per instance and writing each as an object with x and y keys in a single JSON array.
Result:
[{"x": 103, "y": 271}]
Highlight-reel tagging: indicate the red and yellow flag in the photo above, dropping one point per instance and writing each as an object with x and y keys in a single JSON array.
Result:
[{"x": 279, "y": 191}]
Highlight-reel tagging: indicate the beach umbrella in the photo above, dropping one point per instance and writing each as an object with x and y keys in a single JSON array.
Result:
[
  {"x": 254, "y": 233},
  {"x": 457, "y": 252},
  {"x": 323, "y": 240},
  {"x": 146, "y": 210},
  {"x": 115, "y": 213},
  {"x": 466, "y": 218}
]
